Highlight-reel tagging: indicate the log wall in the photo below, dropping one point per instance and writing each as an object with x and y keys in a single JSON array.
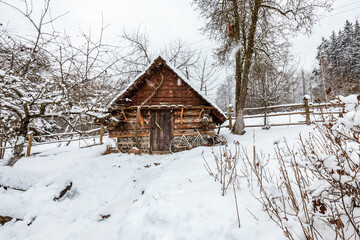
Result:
[{"x": 182, "y": 125}]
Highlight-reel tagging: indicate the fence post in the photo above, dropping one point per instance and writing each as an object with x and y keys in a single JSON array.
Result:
[
  {"x": 28, "y": 152},
  {"x": 307, "y": 110},
  {"x": 2, "y": 151},
  {"x": 265, "y": 116},
  {"x": 230, "y": 116},
  {"x": 101, "y": 134}
]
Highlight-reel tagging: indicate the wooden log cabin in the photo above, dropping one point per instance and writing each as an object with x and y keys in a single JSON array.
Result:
[{"x": 164, "y": 104}]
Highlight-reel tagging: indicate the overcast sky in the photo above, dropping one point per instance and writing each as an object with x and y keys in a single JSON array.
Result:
[{"x": 166, "y": 20}]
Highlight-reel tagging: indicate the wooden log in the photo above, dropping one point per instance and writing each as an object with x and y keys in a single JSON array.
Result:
[
  {"x": 125, "y": 135},
  {"x": 188, "y": 119},
  {"x": 162, "y": 106},
  {"x": 169, "y": 102},
  {"x": 193, "y": 126},
  {"x": 132, "y": 113},
  {"x": 190, "y": 112},
  {"x": 191, "y": 132},
  {"x": 170, "y": 93},
  {"x": 131, "y": 121}
]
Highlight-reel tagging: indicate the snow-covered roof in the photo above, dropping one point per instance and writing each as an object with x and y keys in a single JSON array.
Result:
[{"x": 180, "y": 75}]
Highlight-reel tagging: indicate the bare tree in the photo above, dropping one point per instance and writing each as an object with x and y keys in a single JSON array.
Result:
[
  {"x": 252, "y": 27},
  {"x": 225, "y": 94},
  {"x": 181, "y": 56},
  {"x": 205, "y": 74},
  {"x": 271, "y": 82},
  {"x": 45, "y": 77},
  {"x": 137, "y": 54}
]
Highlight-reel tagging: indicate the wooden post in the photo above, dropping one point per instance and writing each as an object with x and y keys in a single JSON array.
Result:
[
  {"x": 2, "y": 151},
  {"x": 28, "y": 152},
  {"x": 265, "y": 116},
  {"x": 307, "y": 110},
  {"x": 101, "y": 134},
  {"x": 230, "y": 116}
]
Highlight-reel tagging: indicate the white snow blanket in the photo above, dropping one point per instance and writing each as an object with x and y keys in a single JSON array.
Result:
[{"x": 122, "y": 196}]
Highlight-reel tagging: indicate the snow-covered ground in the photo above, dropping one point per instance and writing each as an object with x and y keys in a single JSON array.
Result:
[{"x": 122, "y": 196}]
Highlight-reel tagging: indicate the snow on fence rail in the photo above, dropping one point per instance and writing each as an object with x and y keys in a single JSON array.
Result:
[
  {"x": 307, "y": 109},
  {"x": 31, "y": 136}
]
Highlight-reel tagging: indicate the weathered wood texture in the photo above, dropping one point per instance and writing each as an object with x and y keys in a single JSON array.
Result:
[
  {"x": 191, "y": 121},
  {"x": 161, "y": 130},
  {"x": 172, "y": 91},
  {"x": 175, "y": 109}
]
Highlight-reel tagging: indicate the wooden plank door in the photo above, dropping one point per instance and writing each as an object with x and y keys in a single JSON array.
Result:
[{"x": 161, "y": 130}]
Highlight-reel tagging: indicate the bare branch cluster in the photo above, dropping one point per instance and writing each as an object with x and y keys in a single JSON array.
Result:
[
  {"x": 48, "y": 83},
  {"x": 316, "y": 193}
]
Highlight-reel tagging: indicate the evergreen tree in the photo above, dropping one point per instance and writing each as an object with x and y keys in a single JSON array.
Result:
[{"x": 339, "y": 61}]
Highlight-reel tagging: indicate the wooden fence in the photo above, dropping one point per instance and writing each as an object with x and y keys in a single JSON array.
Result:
[
  {"x": 70, "y": 137},
  {"x": 307, "y": 109}
]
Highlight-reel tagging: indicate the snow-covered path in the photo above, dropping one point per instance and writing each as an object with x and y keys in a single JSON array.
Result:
[{"x": 147, "y": 196}]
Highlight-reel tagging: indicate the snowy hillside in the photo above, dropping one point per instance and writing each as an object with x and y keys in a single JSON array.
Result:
[{"x": 122, "y": 196}]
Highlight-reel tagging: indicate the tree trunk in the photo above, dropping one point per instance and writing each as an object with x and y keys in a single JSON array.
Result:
[
  {"x": 239, "y": 110},
  {"x": 243, "y": 68},
  {"x": 20, "y": 142}
]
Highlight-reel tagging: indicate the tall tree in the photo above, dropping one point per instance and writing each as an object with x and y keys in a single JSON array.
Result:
[{"x": 254, "y": 27}]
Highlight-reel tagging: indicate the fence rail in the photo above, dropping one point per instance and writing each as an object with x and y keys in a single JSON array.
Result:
[
  {"x": 31, "y": 138},
  {"x": 307, "y": 109}
]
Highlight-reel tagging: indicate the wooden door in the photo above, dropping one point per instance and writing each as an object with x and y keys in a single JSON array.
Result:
[{"x": 161, "y": 130}]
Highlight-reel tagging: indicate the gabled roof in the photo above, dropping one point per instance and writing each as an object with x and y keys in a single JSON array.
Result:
[{"x": 155, "y": 65}]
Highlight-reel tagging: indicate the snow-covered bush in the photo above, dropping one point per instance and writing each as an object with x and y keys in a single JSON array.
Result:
[{"x": 315, "y": 194}]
